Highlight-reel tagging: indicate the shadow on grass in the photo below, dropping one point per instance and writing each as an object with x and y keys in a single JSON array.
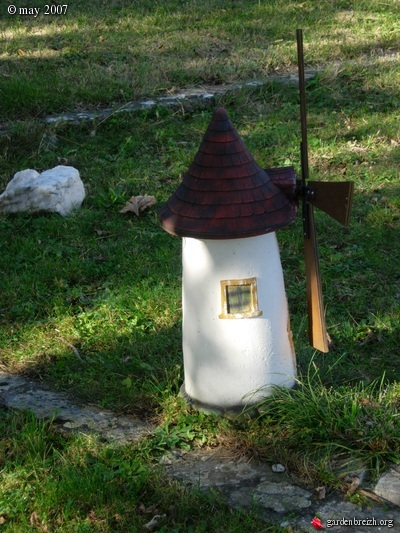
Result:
[
  {"x": 131, "y": 375},
  {"x": 103, "y": 53},
  {"x": 77, "y": 483},
  {"x": 99, "y": 314}
]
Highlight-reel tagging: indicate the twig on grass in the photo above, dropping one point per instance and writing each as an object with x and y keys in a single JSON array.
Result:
[{"x": 74, "y": 349}]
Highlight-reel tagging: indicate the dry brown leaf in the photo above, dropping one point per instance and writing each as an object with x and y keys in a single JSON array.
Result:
[
  {"x": 372, "y": 337},
  {"x": 36, "y": 522},
  {"x": 102, "y": 232},
  {"x": 148, "y": 510},
  {"x": 351, "y": 489},
  {"x": 137, "y": 204},
  {"x": 93, "y": 519},
  {"x": 34, "y": 519}
]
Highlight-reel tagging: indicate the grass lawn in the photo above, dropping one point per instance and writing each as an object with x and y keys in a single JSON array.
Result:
[{"x": 109, "y": 284}]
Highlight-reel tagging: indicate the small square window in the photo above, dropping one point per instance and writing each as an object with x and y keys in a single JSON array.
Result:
[{"x": 239, "y": 298}]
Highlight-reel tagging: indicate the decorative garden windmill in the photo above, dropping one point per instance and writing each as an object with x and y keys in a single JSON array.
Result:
[{"x": 237, "y": 341}]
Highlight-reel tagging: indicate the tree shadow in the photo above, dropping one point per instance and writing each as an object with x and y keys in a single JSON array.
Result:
[{"x": 90, "y": 62}]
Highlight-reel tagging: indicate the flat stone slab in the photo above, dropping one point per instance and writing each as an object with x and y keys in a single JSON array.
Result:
[
  {"x": 194, "y": 96},
  {"x": 276, "y": 497},
  {"x": 244, "y": 483},
  {"x": 388, "y": 486},
  {"x": 17, "y": 392}
]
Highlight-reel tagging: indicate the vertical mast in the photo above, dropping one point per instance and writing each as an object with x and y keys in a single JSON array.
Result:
[{"x": 316, "y": 315}]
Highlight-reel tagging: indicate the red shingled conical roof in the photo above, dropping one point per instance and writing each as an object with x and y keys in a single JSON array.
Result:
[{"x": 225, "y": 194}]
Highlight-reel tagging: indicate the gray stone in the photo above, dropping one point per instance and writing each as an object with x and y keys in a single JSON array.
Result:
[
  {"x": 198, "y": 98},
  {"x": 245, "y": 485},
  {"x": 278, "y": 468},
  {"x": 282, "y": 497},
  {"x": 252, "y": 485},
  {"x": 17, "y": 392},
  {"x": 191, "y": 98},
  {"x": 171, "y": 456},
  {"x": 388, "y": 486},
  {"x": 58, "y": 190}
]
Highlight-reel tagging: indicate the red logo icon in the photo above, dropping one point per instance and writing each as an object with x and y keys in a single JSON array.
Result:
[{"x": 316, "y": 523}]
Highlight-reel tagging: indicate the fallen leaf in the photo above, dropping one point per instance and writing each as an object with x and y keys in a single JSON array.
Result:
[
  {"x": 36, "y": 522},
  {"x": 102, "y": 232},
  {"x": 368, "y": 402},
  {"x": 152, "y": 509},
  {"x": 321, "y": 493},
  {"x": 93, "y": 519},
  {"x": 372, "y": 336},
  {"x": 137, "y": 204},
  {"x": 354, "y": 485},
  {"x": 34, "y": 519}
]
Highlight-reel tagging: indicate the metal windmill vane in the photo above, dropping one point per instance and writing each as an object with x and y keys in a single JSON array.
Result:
[{"x": 236, "y": 335}]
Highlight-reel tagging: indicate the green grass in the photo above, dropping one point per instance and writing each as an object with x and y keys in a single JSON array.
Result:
[
  {"x": 50, "y": 483},
  {"x": 116, "y": 51},
  {"x": 109, "y": 284}
]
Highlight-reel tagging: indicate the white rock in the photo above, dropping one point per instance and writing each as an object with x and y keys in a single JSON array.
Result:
[
  {"x": 58, "y": 190},
  {"x": 278, "y": 468}
]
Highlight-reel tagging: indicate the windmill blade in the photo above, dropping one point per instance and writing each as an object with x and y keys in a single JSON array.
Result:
[
  {"x": 334, "y": 198},
  {"x": 316, "y": 316}
]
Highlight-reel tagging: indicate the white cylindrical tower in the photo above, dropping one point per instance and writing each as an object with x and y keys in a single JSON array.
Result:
[{"x": 237, "y": 341}]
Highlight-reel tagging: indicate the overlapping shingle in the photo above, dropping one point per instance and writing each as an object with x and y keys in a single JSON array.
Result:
[{"x": 225, "y": 194}]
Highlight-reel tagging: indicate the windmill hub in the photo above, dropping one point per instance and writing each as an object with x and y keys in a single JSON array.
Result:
[{"x": 310, "y": 193}]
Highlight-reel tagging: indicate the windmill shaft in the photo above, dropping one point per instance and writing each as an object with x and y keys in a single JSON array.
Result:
[
  {"x": 303, "y": 189},
  {"x": 316, "y": 314},
  {"x": 303, "y": 108}
]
